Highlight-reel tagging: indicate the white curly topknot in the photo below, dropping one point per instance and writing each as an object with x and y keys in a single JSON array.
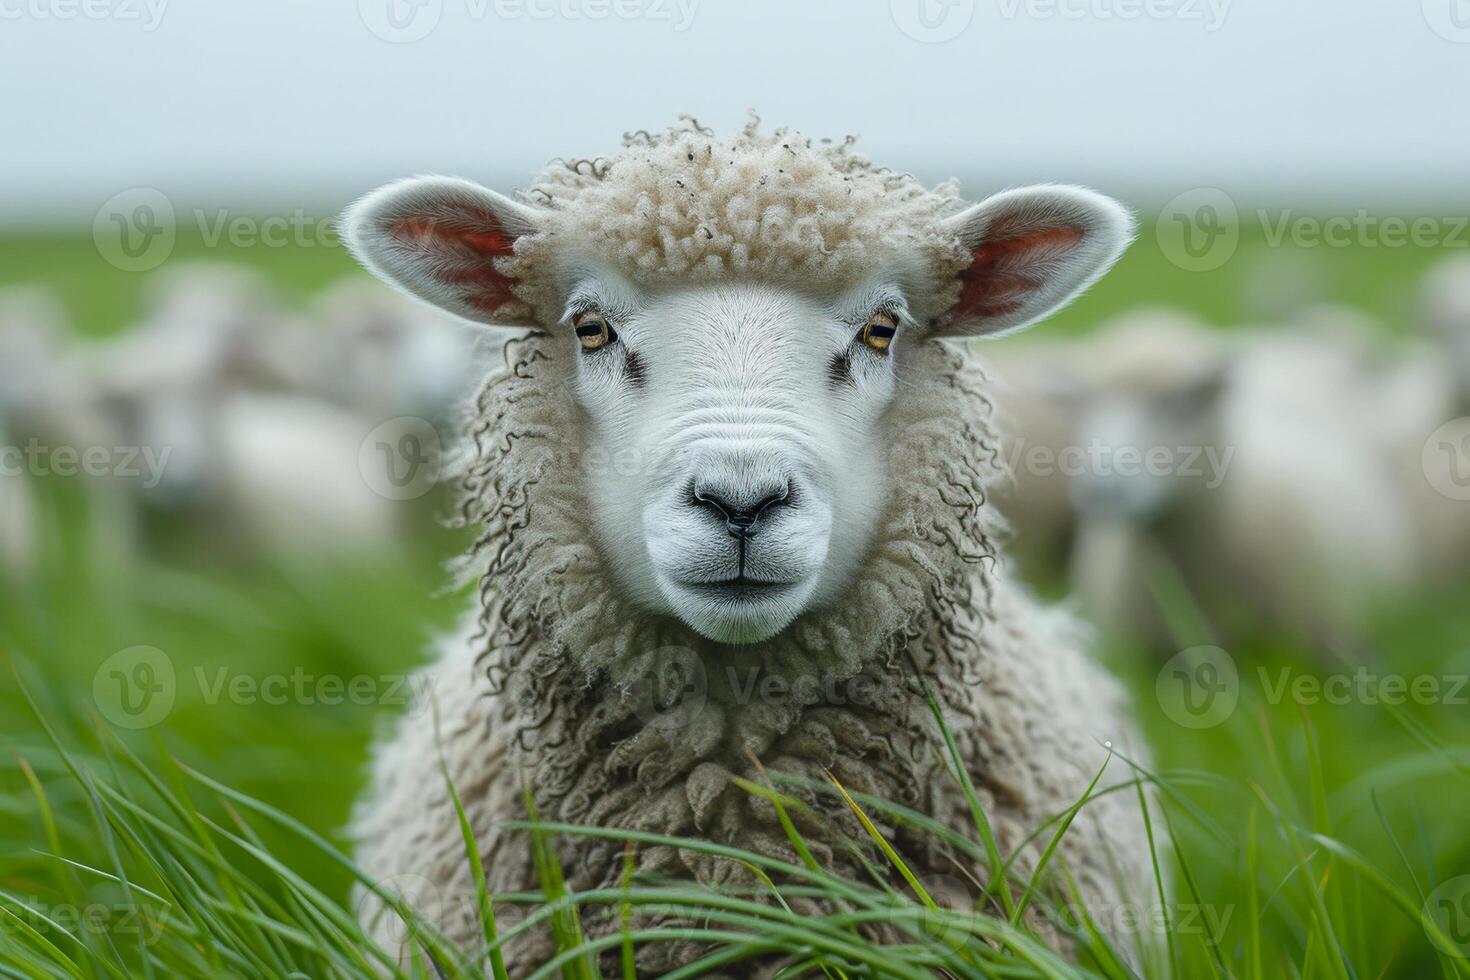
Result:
[{"x": 686, "y": 204}]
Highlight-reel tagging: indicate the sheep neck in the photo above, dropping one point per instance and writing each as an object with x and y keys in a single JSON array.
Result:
[{"x": 576, "y": 669}]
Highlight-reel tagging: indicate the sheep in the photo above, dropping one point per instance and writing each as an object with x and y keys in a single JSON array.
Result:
[
  {"x": 29, "y": 336},
  {"x": 1312, "y": 526},
  {"x": 1039, "y": 394},
  {"x": 156, "y": 384},
  {"x": 285, "y": 474},
  {"x": 1141, "y": 385},
  {"x": 42, "y": 408},
  {"x": 152, "y": 383},
  {"x": 730, "y": 446},
  {"x": 1051, "y": 394},
  {"x": 32, "y": 327},
  {"x": 245, "y": 453},
  {"x": 1445, "y": 302},
  {"x": 386, "y": 356},
  {"x": 42, "y": 378},
  {"x": 1421, "y": 392},
  {"x": 241, "y": 418},
  {"x": 1288, "y": 516}
]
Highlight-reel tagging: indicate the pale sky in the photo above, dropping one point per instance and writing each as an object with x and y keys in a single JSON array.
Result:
[{"x": 279, "y": 104}]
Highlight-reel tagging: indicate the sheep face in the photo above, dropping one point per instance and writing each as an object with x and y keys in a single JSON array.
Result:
[
  {"x": 735, "y": 463},
  {"x": 736, "y": 376}
]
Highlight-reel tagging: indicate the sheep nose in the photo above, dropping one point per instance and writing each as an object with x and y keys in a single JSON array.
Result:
[{"x": 741, "y": 511}]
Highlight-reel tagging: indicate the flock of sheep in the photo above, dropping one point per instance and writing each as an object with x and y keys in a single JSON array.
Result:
[
  {"x": 1280, "y": 474},
  {"x": 220, "y": 413},
  {"x": 1291, "y": 477}
]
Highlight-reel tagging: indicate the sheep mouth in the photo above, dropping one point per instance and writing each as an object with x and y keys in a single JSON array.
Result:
[{"x": 738, "y": 588}]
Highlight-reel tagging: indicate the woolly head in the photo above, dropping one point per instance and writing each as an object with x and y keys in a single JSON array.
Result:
[{"x": 744, "y": 313}]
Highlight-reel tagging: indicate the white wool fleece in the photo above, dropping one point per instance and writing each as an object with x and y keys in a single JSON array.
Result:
[{"x": 613, "y": 712}]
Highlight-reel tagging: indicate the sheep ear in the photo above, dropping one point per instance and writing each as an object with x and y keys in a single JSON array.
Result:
[
  {"x": 1033, "y": 250},
  {"x": 438, "y": 238}
]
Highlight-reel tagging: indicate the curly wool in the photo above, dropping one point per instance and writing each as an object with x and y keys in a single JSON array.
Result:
[
  {"x": 545, "y": 691},
  {"x": 687, "y": 205}
]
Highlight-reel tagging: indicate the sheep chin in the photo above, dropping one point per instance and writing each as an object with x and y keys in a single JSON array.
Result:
[{"x": 736, "y": 615}]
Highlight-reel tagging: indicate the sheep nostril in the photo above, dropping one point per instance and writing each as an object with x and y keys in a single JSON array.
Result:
[
  {"x": 741, "y": 525},
  {"x": 740, "y": 517}
]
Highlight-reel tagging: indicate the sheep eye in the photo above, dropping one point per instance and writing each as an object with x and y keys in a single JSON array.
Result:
[
  {"x": 878, "y": 332},
  {"x": 593, "y": 330}
]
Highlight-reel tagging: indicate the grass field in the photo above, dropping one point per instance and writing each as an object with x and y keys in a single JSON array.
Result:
[{"x": 1318, "y": 833}]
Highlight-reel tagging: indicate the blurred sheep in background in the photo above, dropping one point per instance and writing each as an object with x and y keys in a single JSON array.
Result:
[
  {"x": 1037, "y": 393},
  {"x": 30, "y": 335},
  {"x": 263, "y": 413},
  {"x": 1122, "y": 422},
  {"x": 1445, "y": 300},
  {"x": 1427, "y": 389},
  {"x": 232, "y": 419},
  {"x": 48, "y": 419},
  {"x": 1065, "y": 407},
  {"x": 384, "y": 354},
  {"x": 1275, "y": 475},
  {"x": 282, "y": 472},
  {"x": 1313, "y": 523},
  {"x": 1263, "y": 474},
  {"x": 158, "y": 384}
]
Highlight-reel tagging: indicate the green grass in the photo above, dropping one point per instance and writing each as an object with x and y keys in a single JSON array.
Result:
[{"x": 1307, "y": 836}]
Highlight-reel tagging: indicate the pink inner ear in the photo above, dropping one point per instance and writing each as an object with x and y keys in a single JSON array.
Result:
[
  {"x": 464, "y": 252},
  {"x": 1008, "y": 267}
]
